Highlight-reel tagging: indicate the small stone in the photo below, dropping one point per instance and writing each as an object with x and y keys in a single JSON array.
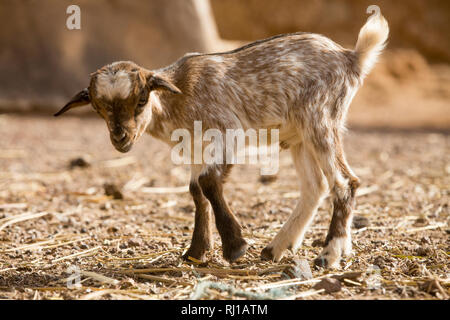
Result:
[
  {"x": 330, "y": 285},
  {"x": 127, "y": 284},
  {"x": 317, "y": 243},
  {"x": 177, "y": 274},
  {"x": 79, "y": 163},
  {"x": 113, "y": 190},
  {"x": 379, "y": 261},
  {"x": 123, "y": 246},
  {"x": 24, "y": 269},
  {"x": 423, "y": 251},
  {"x": 266, "y": 179},
  {"x": 105, "y": 206},
  {"x": 360, "y": 222},
  {"x": 113, "y": 229},
  {"x": 135, "y": 242},
  {"x": 300, "y": 270},
  {"x": 348, "y": 275},
  {"x": 421, "y": 222}
]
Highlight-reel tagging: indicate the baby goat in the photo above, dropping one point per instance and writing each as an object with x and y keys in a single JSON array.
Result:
[{"x": 300, "y": 83}]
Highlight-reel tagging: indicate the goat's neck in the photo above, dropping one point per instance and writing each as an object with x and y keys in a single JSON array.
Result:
[{"x": 161, "y": 124}]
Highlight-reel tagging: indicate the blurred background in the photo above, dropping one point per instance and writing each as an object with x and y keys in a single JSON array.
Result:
[{"x": 42, "y": 63}]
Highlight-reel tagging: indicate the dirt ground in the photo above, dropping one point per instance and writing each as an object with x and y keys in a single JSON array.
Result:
[{"x": 56, "y": 220}]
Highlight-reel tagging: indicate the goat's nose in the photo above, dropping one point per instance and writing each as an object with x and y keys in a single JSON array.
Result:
[
  {"x": 118, "y": 134},
  {"x": 117, "y": 131}
]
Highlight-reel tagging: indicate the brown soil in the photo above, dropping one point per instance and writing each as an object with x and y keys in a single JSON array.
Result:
[{"x": 402, "y": 248}]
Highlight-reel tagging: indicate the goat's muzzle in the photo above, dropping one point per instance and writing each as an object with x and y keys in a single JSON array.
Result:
[{"x": 121, "y": 140}]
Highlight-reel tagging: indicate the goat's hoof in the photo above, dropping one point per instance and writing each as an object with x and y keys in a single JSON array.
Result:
[
  {"x": 235, "y": 251},
  {"x": 267, "y": 254},
  {"x": 193, "y": 256},
  {"x": 321, "y": 261},
  {"x": 332, "y": 253}
]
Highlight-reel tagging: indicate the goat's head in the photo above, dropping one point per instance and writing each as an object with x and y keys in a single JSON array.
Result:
[{"x": 120, "y": 94}]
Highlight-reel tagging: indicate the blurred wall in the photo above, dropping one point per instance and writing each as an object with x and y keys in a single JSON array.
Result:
[
  {"x": 42, "y": 63},
  {"x": 420, "y": 24}
]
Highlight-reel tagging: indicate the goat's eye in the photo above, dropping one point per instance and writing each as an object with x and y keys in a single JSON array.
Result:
[
  {"x": 140, "y": 106},
  {"x": 142, "y": 102}
]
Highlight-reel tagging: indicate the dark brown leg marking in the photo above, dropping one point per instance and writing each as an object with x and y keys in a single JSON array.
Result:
[
  {"x": 342, "y": 206},
  {"x": 202, "y": 237},
  {"x": 233, "y": 244}
]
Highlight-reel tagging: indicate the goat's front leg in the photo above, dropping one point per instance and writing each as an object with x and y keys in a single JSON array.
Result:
[
  {"x": 211, "y": 182},
  {"x": 202, "y": 236}
]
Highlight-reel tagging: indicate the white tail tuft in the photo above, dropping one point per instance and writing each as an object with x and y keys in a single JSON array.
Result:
[{"x": 371, "y": 40}]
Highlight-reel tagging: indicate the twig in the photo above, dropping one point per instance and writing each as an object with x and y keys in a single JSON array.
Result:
[
  {"x": 199, "y": 270},
  {"x": 119, "y": 162},
  {"x": 161, "y": 279},
  {"x": 99, "y": 277},
  {"x": 303, "y": 294},
  {"x": 76, "y": 254},
  {"x": 13, "y": 206},
  {"x": 435, "y": 226},
  {"x": 23, "y": 217}
]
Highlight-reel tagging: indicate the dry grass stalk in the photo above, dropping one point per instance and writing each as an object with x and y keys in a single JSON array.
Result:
[
  {"x": 77, "y": 254},
  {"x": 214, "y": 271},
  {"x": 435, "y": 226},
  {"x": 164, "y": 280},
  {"x": 157, "y": 254},
  {"x": 114, "y": 163},
  {"x": 99, "y": 277},
  {"x": 284, "y": 283},
  {"x": 65, "y": 243},
  {"x": 8, "y": 206},
  {"x": 23, "y": 217}
]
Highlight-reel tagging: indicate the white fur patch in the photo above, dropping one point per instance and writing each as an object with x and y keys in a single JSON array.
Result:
[
  {"x": 335, "y": 249},
  {"x": 217, "y": 59},
  {"x": 110, "y": 85}
]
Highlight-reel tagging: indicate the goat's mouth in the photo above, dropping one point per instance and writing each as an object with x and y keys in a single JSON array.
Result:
[{"x": 123, "y": 145}]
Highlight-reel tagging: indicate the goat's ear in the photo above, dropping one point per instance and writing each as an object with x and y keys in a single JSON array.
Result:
[
  {"x": 80, "y": 99},
  {"x": 158, "y": 82}
]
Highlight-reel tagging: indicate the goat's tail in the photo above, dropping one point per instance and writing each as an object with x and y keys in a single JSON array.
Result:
[{"x": 371, "y": 40}]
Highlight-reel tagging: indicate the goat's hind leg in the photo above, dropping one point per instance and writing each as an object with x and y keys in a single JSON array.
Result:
[
  {"x": 312, "y": 190},
  {"x": 343, "y": 184}
]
